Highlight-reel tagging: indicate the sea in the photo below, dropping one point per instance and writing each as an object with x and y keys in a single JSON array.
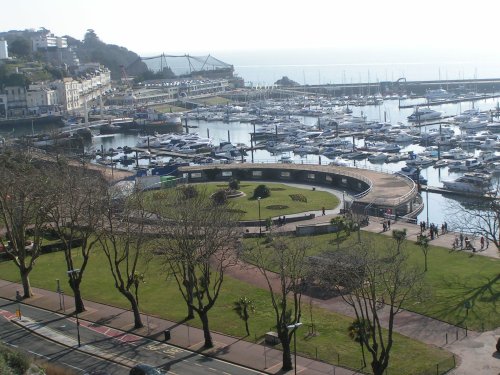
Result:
[{"x": 263, "y": 68}]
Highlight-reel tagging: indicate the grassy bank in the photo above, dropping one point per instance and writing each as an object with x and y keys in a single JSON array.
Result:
[{"x": 161, "y": 298}]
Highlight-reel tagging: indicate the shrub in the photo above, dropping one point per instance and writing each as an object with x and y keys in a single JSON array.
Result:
[
  {"x": 261, "y": 191},
  {"x": 18, "y": 362},
  {"x": 220, "y": 197},
  {"x": 189, "y": 191},
  {"x": 234, "y": 184}
]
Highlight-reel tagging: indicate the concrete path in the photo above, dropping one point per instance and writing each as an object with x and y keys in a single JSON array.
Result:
[{"x": 476, "y": 351}]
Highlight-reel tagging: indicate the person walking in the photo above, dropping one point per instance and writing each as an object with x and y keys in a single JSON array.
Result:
[
  {"x": 323, "y": 209},
  {"x": 482, "y": 242}
]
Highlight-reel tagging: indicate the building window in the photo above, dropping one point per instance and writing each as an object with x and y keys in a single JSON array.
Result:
[
  {"x": 285, "y": 174},
  {"x": 311, "y": 176},
  {"x": 196, "y": 175},
  {"x": 344, "y": 181},
  {"x": 257, "y": 173},
  {"x": 227, "y": 173},
  {"x": 328, "y": 178}
]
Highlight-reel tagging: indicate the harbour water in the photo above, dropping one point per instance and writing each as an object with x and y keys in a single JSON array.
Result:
[
  {"x": 439, "y": 206},
  {"x": 322, "y": 66}
]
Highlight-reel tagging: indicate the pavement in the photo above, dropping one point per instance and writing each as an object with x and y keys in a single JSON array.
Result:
[{"x": 475, "y": 351}]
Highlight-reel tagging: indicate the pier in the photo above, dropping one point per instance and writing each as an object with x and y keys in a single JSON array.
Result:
[{"x": 440, "y": 190}]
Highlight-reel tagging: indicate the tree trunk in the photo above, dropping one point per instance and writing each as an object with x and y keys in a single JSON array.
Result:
[
  {"x": 425, "y": 257},
  {"x": 377, "y": 368},
  {"x": 363, "y": 352},
  {"x": 79, "y": 305},
  {"x": 27, "y": 292},
  {"x": 246, "y": 327},
  {"x": 135, "y": 308},
  {"x": 206, "y": 330},
  {"x": 287, "y": 354}
]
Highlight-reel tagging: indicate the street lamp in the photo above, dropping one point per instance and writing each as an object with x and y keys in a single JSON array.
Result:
[
  {"x": 294, "y": 327},
  {"x": 71, "y": 274},
  {"x": 427, "y": 203},
  {"x": 59, "y": 293},
  {"x": 343, "y": 200},
  {"x": 260, "y": 224}
]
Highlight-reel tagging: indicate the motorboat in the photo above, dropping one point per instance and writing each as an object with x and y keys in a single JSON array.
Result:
[
  {"x": 413, "y": 173},
  {"x": 378, "y": 157},
  {"x": 424, "y": 114},
  {"x": 420, "y": 161},
  {"x": 465, "y": 165},
  {"x": 285, "y": 159},
  {"x": 476, "y": 183},
  {"x": 438, "y": 95},
  {"x": 456, "y": 154}
]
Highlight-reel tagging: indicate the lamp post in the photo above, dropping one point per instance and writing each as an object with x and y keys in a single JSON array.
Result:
[
  {"x": 343, "y": 200},
  {"x": 427, "y": 203},
  {"x": 71, "y": 274},
  {"x": 294, "y": 327},
  {"x": 260, "y": 224},
  {"x": 59, "y": 293}
]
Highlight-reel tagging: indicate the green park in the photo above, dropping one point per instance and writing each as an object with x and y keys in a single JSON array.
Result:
[{"x": 461, "y": 289}]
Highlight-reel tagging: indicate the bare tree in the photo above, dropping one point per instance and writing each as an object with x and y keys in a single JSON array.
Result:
[
  {"x": 123, "y": 239},
  {"x": 198, "y": 241},
  {"x": 369, "y": 279},
  {"x": 78, "y": 199},
  {"x": 24, "y": 203},
  {"x": 281, "y": 261},
  {"x": 477, "y": 217}
]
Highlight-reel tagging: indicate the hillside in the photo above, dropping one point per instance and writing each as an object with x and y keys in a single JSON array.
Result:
[{"x": 91, "y": 49}]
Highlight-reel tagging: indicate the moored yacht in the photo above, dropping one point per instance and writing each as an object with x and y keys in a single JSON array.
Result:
[
  {"x": 424, "y": 114},
  {"x": 476, "y": 183}
]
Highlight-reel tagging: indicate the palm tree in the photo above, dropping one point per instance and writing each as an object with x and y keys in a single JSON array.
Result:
[
  {"x": 242, "y": 307},
  {"x": 359, "y": 331}
]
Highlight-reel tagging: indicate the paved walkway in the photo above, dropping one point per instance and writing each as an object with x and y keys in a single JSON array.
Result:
[
  {"x": 476, "y": 351},
  {"x": 232, "y": 349}
]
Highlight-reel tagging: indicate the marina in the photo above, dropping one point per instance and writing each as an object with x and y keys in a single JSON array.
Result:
[{"x": 316, "y": 130}]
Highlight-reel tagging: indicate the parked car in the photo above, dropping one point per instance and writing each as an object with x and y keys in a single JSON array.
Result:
[{"x": 144, "y": 369}]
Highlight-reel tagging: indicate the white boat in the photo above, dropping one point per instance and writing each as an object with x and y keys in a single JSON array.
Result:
[
  {"x": 404, "y": 137},
  {"x": 467, "y": 115},
  {"x": 148, "y": 141},
  {"x": 465, "y": 165},
  {"x": 438, "y": 94},
  {"x": 424, "y": 114},
  {"x": 418, "y": 161},
  {"x": 378, "y": 157},
  {"x": 476, "y": 183},
  {"x": 456, "y": 154},
  {"x": 286, "y": 159}
]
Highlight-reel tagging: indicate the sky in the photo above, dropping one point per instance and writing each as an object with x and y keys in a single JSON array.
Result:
[{"x": 208, "y": 26}]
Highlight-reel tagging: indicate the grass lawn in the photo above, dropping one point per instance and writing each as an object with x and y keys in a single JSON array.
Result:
[
  {"x": 168, "y": 108},
  {"x": 278, "y": 204},
  {"x": 161, "y": 297},
  {"x": 214, "y": 100},
  {"x": 454, "y": 277}
]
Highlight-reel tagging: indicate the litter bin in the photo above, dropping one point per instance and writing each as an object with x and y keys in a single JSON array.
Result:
[{"x": 167, "y": 334}]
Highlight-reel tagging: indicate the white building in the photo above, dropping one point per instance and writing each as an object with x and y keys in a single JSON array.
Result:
[
  {"x": 68, "y": 93},
  {"x": 3, "y": 106},
  {"x": 41, "y": 100},
  {"x": 16, "y": 101},
  {"x": 48, "y": 41},
  {"x": 4, "y": 50}
]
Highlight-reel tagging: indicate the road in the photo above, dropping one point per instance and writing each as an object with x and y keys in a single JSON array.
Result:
[{"x": 101, "y": 348}]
